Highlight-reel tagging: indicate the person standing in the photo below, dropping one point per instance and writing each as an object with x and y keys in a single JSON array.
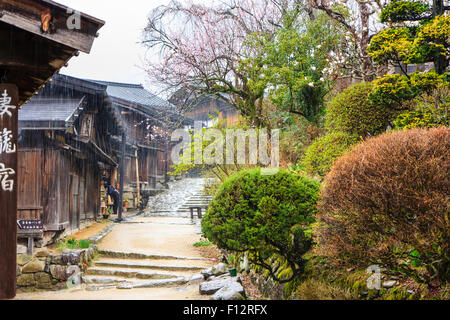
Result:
[{"x": 114, "y": 194}]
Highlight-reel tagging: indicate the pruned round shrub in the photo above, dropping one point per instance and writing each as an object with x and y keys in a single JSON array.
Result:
[
  {"x": 320, "y": 156},
  {"x": 264, "y": 215},
  {"x": 352, "y": 112},
  {"x": 387, "y": 202}
]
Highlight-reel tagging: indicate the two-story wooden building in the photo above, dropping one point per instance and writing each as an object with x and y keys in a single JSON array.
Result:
[
  {"x": 71, "y": 138},
  {"x": 65, "y": 146}
]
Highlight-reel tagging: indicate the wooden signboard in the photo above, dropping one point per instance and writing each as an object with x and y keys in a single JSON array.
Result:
[
  {"x": 9, "y": 98},
  {"x": 30, "y": 224}
]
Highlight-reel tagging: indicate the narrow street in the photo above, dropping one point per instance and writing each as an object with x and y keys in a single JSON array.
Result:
[{"x": 149, "y": 257}]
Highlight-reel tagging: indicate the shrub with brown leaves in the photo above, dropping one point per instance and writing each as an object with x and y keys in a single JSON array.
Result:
[{"x": 387, "y": 202}]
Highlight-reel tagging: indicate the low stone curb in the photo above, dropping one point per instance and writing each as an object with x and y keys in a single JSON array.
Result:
[{"x": 97, "y": 238}]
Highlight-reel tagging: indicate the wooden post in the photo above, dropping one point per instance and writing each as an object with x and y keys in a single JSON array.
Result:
[
  {"x": 9, "y": 98},
  {"x": 166, "y": 164},
  {"x": 122, "y": 172},
  {"x": 138, "y": 183}
]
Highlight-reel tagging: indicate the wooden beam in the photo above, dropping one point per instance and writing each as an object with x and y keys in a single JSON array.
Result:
[
  {"x": 26, "y": 15},
  {"x": 9, "y": 98}
]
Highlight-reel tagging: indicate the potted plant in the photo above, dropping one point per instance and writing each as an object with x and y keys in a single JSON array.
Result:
[
  {"x": 126, "y": 203},
  {"x": 108, "y": 213},
  {"x": 232, "y": 270}
]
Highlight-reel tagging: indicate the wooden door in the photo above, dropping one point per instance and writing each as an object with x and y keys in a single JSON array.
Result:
[{"x": 29, "y": 185}]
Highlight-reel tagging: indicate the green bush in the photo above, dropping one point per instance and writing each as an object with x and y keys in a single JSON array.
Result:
[
  {"x": 426, "y": 111},
  {"x": 84, "y": 244},
  {"x": 320, "y": 156},
  {"x": 264, "y": 215},
  {"x": 353, "y": 113}
]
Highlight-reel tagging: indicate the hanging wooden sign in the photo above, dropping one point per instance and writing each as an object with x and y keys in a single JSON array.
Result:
[
  {"x": 30, "y": 224},
  {"x": 9, "y": 98}
]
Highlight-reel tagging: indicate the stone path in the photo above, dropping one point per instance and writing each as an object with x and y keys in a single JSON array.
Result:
[
  {"x": 148, "y": 257},
  {"x": 172, "y": 202}
]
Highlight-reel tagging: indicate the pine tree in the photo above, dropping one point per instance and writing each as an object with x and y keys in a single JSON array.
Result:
[{"x": 418, "y": 33}]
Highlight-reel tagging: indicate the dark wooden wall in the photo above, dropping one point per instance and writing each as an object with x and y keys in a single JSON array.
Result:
[
  {"x": 57, "y": 188},
  {"x": 30, "y": 167}
]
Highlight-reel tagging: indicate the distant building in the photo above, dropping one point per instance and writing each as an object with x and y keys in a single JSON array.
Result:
[{"x": 205, "y": 108}]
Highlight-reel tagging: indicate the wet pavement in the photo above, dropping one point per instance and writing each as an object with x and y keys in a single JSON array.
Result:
[{"x": 150, "y": 256}]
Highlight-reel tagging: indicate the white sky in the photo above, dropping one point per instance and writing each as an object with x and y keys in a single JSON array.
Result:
[{"x": 116, "y": 54}]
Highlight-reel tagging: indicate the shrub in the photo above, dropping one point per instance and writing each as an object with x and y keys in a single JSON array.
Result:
[
  {"x": 84, "y": 244},
  {"x": 416, "y": 119},
  {"x": 352, "y": 112},
  {"x": 320, "y": 156},
  {"x": 426, "y": 111},
  {"x": 264, "y": 215},
  {"x": 386, "y": 202}
]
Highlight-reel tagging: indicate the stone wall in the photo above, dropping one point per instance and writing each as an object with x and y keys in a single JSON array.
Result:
[
  {"x": 261, "y": 278},
  {"x": 52, "y": 271}
]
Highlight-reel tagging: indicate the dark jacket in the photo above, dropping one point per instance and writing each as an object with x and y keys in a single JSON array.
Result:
[{"x": 111, "y": 191}]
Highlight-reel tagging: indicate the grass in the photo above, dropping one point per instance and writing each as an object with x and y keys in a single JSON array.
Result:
[
  {"x": 202, "y": 244},
  {"x": 72, "y": 244}
]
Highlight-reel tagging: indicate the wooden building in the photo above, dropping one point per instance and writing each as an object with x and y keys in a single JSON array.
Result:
[
  {"x": 71, "y": 139},
  {"x": 148, "y": 122},
  {"x": 35, "y": 42},
  {"x": 65, "y": 146},
  {"x": 204, "y": 107}
]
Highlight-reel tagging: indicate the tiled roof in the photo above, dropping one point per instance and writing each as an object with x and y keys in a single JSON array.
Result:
[
  {"x": 52, "y": 112},
  {"x": 134, "y": 93}
]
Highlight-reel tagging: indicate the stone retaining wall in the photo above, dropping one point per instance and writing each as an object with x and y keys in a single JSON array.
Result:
[
  {"x": 52, "y": 271},
  {"x": 261, "y": 278}
]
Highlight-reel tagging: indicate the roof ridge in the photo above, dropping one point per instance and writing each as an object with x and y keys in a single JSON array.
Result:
[{"x": 117, "y": 84}]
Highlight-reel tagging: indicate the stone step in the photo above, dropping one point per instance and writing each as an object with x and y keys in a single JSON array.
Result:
[
  {"x": 200, "y": 197},
  {"x": 156, "y": 283},
  {"x": 188, "y": 205},
  {"x": 103, "y": 280},
  {"x": 196, "y": 202},
  {"x": 138, "y": 255},
  {"x": 97, "y": 283},
  {"x": 139, "y": 265},
  {"x": 129, "y": 273}
]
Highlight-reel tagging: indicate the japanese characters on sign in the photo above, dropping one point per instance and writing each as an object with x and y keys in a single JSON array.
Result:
[
  {"x": 5, "y": 106},
  {"x": 6, "y": 183},
  {"x": 30, "y": 224},
  {"x": 7, "y": 145}
]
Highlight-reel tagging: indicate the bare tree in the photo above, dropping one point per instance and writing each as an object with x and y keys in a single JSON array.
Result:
[
  {"x": 200, "y": 47},
  {"x": 358, "y": 19}
]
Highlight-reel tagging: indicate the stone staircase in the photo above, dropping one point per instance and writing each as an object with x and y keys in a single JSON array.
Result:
[
  {"x": 173, "y": 203},
  {"x": 199, "y": 199},
  {"x": 128, "y": 270}
]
